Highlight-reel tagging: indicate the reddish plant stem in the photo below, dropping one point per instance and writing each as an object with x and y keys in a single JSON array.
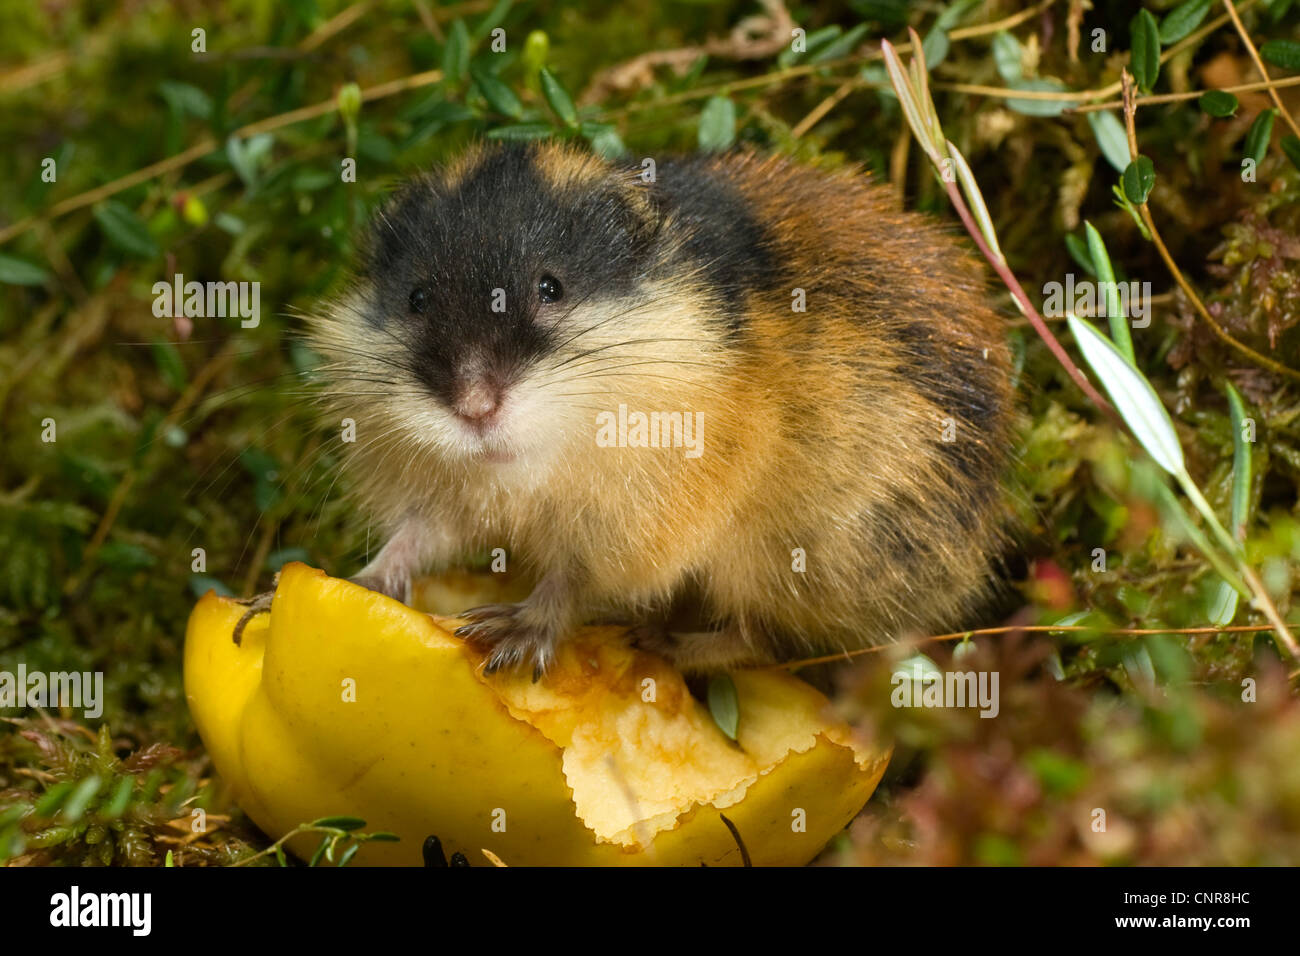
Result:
[{"x": 1008, "y": 277}]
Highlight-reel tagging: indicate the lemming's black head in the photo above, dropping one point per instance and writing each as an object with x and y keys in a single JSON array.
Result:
[{"x": 477, "y": 272}]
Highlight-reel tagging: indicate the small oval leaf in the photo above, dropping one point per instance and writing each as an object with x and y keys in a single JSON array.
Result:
[
  {"x": 717, "y": 124},
  {"x": 1007, "y": 56},
  {"x": 20, "y": 272},
  {"x": 1144, "y": 59},
  {"x": 558, "y": 97},
  {"x": 1283, "y": 53},
  {"x": 724, "y": 704},
  {"x": 1218, "y": 103},
  {"x": 1112, "y": 139},
  {"x": 1261, "y": 131},
  {"x": 340, "y": 823},
  {"x": 1182, "y": 20},
  {"x": 1139, "y": 177},
  {"x": 125, "y": 230},
  {"x": 1291, "y": 146},
  {"x": 499, "y": 96}
]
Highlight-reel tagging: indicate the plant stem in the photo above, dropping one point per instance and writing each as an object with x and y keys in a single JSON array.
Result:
[{"x": 1027, "y": 307}]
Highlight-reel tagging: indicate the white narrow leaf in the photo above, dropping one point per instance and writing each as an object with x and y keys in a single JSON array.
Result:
[
  {"x": 1133, "y": 396},
  {"x": 975, "y": 199},
  {"x": 907, "y": 100}
]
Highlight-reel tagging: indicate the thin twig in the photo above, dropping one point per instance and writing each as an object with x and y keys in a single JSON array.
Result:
[
  {"x": 1026, "y": 629},
  {"x": 1259, "y": 65},
  {"x": 1027, "y": 307},
  {"x": 1181, "y": 97}
]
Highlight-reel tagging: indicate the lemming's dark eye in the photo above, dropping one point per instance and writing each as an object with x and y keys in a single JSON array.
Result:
[
  {"x": 418, "y": 299},
  {"x": 549, "y": 288}
]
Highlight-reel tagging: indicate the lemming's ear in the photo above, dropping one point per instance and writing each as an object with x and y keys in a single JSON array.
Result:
[
  {"x": 398, "y": 225},
  {"x": 637, "y": 187}
]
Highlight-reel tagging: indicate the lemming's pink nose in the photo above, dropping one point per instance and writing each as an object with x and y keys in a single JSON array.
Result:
[{"x": 478, "y": 402}]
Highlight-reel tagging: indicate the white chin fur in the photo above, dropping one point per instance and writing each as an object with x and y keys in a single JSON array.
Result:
[{"x": 523, "y": 438}]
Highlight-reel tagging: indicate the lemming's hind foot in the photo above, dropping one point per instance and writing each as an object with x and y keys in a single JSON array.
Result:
[{"x": 702, "y": 651}]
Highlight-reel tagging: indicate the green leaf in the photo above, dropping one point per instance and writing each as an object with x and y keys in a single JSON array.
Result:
[
  {"x": 52, "y": 799},
  {"x": 383, "y": 836},
  {"x": 935, "y": 46},
  {"x": 604, "y": 139},
  {"x": 320, "y": 851},
  {"x": 1100, "y": 259},
  {"x": 1241, "y": 463},
  {"x": 1261, "y": 131},
  {"x": 121, "y": 798},
  {"x": 813, "y": 43},
  {"x": 246, "y": 155},
  {"x": 1139, "y": 177},
  {"x": 1182, "y": 20},
  {"x": 20, "y": 272},
  {"x": 81, "y": 796},
  {"x": 184, "y": 98},
  {"x": 492, "y": 20},
  {"x": 1144, "y": 59},
  {"x": 1133, "y": 396},
  {"x": 1037, "y": 107},
  {"x": 1223, "y": 604},
  {"x": 520, "y": 131},
  {"x": 1007, "y": 55},
  {"x": 1291, "y": 146},
  {"x": 279, "y": 855},
  {"x": 717, "y": 124},
  {"x": 724, "y": 704},
  {"x": 455, "y": 53},
  {"x": 348, "y": 854},
  {"x": 1110, "y": 136},
  {"x": 917, "y": 667},
  {"x": 841, "y": 46},
  {"x": 499, "y": 96},
  {"x": 1218, "y": 103},
  {"x": 1175, "y": 516},
  {"x": 1283, "y": 53},
  {"x": 340, "y": 823},
  {"x": 125, "y": 230},
  {"x": 558, "y": 98},
  {"x": 1122, "y": 201},
  {"x": 1078, "y": 249}
]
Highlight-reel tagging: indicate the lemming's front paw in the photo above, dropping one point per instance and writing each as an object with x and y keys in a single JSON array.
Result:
[{"x": 516, "y": 635}]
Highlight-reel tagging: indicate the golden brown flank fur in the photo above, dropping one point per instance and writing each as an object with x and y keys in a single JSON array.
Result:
[{"x": 861, "y": 440}]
